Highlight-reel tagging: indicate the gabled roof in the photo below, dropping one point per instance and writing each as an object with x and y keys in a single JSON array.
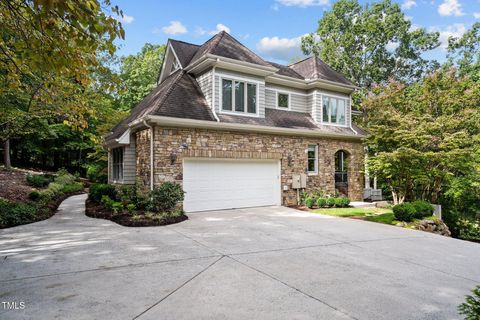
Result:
[
  {"x": 184, "y": 51},
  {"x": 178, "y": 96},
  {"x": 224, "y": 45},
  {"x": 314, "y": 68}
]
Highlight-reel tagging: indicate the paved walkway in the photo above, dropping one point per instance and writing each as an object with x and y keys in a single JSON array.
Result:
[{"x": 262, "y": 263}]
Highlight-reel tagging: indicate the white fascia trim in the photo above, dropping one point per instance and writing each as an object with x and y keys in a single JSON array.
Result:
[
  {"x": 174, "y": 54},
  {"x": 311, "y": 83},
  {"x": 190, "y": 123},
  {"x": 220, "y": 61},
  {"x": 124, "y": 138}
]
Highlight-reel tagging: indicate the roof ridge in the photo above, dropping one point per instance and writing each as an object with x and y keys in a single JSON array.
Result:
[
  {"x": 289, "y": 65},
  {"x": 245, "y": 47},
  {"x": 189, "y": 43},
  {"x": 222, "y": 34}
]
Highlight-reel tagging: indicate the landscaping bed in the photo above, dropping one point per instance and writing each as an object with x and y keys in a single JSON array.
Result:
[
  {"x": 29, "y": 196},
  {"x": 129, "y": 207},
  {"x": 96, "y": 210}
]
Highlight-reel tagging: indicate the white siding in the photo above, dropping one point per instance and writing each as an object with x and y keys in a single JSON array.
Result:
[
  {"x": 129, "y": 163},
  {"x": 205, "y": 83},
  {"x": 298, "y": 98},
  {"x": 219, "y": 73}
]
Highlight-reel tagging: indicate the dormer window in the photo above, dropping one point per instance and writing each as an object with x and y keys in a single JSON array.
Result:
[
  {"x": 283, "y": 100},
  {"x": 239, "y": 97},
  {"x": 333, "y": 110}
]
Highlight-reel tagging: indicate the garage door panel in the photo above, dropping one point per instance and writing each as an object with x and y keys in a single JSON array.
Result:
[{"x": 224, "y": 184}]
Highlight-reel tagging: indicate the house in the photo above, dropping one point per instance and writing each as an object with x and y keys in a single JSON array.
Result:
[{"x": 236, "y": 130}]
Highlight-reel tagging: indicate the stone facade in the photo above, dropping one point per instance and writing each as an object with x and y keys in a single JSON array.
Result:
[{"x": 171, "y": 145}]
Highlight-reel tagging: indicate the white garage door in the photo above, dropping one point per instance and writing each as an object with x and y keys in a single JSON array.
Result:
[{"x": 224, "y": 184}]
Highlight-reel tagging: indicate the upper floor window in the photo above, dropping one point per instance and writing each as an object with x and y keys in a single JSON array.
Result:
[
  {"x": 312, "y": 159},
  {"x": 334, "y": 110},
  {"x": 117, "y": 164},
  {"x": 239, "y": 96},
  {"x": 283, "y": 100}
]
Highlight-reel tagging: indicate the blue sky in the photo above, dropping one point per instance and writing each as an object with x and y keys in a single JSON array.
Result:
[{"x": 272, "y": 28}]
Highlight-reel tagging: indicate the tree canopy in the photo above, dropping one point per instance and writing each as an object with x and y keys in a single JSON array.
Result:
[
  {"x": 464, "y": 52},
  {"x": 371, "y": 44}
]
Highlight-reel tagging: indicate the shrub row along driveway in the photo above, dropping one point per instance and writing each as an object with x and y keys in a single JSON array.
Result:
[{"x": 263, "y": 263}]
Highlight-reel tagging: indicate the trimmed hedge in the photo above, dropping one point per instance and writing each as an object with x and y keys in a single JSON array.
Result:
[
  {"x": 422, "y": 209},
  {"x": 404, "y": 212}
]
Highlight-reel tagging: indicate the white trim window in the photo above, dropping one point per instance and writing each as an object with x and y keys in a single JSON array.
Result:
[
  {"x": 239, "y": 97},
  {"x": 283, "y": 100},
  {"x": 117, "y": 164},
  {"x": 312, "y": 159},
  {"x": 334, "y": 110}
]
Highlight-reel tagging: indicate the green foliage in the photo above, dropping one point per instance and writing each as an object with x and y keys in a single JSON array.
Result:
[
  {"x": 131, "y": 208},
  {"x": 321, "y": 202},
  {"x": 97, "y": 172},
  {"x": 139, "y": 74},
  {"x": 39, "y": 181},
  {"x": 471, "y": 307},
  {"x": 342, "y": 202},
  {"x": 165, "y": 197},
  {"x": 12, "y": 213},
  {"x": 423, "y": 209},
  {"x": 310, "y": 202},
  {"x": 356, "y": 40},
  {"x": 424, "y": 139},
  {"x": 110, "y": 204},
  {"x": 132, "y": 195},
  {"x": 465, "y": 52},
  {"x": 404, "y": 212},
  {"x": 64, "y": 178},
  {"x": 98, "y": 190},
  {"x": 330, "y": 202},
  {"x": 34, "y": 195},
  {"x": 468, "y": 230},
  {"x": 55, "y": 187},
  {"x": 72, "y": 187}
]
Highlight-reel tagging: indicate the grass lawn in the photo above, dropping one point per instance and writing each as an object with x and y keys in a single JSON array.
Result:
[{"x": 381, "y": 215}]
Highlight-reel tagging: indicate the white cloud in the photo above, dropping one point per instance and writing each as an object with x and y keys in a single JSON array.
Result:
[
  {"x": 301, "y": 3},
  {"x": 280, "y": 48},
  {"x": 218, "y": 28},
  {"x": 450, "y": 7},
  {"x": 476, "y": 15},
  {"x": 408, "y": 4},
  {"x": 455, "y": 30},
  {"x": 126, "y": 19},
  {"x": 175, "y": 27},
  {"x": 391, "y": 46}
]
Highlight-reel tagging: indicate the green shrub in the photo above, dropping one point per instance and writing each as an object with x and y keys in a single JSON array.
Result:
[
  {"x": 55, "y": 187},
  {"x": 97, "y": 190},
  {"x": 422, "y": 209},
  {"x": 72, "y": 187},
  {"x": 471, "y": 307},
  {"x": 469, "y": 230},
  {"x": 342, "y": 202},
  {"x": 404, "y": 212},
  {"x": 321, "y": 202},
  {"x": 330, "y": 202},
  {"x": 46, "y": 195},
  {"x": 34, "y": 195},
  {"x": 113, "y": 205},
  {"x": 64, "y": 177},
  {"x": 39, "y": 181},
  {"x": 12, "y": 213},
  {"x": 310, "y": 202},
  {"x": 131, "y": 208},
  {"x": 165, "y": 197},
  {"x": 97, "y": 173}
]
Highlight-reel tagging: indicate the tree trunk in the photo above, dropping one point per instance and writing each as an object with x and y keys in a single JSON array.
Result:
[{"x": 6, "y": 154}]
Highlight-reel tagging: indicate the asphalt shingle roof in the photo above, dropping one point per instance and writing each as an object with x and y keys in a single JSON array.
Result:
[{"x": 314, "y": 68}]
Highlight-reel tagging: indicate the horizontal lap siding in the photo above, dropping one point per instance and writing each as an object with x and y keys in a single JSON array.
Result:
[
  {"x": 298, "y": 98},
  {"x": 129, "y": 163}
]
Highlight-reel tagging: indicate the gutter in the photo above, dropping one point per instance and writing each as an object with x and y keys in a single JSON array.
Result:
[
  {"x": 351, "y": 116},
  {"x": 191, "y": 123},
  {"x": 213, "y": 95},
  {"x": 151, "y": 152}
]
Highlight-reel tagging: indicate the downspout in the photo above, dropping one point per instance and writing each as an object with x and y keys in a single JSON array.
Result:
[
  {"x": 351, "y": 115},
  {"x": 151, "y": 152},
  {"x": 213, "y": 94}
]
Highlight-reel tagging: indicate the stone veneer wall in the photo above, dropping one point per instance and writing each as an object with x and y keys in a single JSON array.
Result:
[{"x": 185, "y": 142}]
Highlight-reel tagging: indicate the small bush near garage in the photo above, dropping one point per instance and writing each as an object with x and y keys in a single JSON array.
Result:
[
  {"x": 310, "y": 202},
  {"x": 423, "y": 209},
  {"x": 404, "y": 212},
  {"x": 128, "y": 206},
  {"x": 471, "y": 307}
]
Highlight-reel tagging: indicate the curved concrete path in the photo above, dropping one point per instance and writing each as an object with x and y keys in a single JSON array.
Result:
[{"x": 262, "y": 263}]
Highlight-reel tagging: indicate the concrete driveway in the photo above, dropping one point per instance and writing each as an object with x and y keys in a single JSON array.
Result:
[{"x": 262, "y": 263}]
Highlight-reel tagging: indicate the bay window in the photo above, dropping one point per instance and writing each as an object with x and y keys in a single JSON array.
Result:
[
  {"x": 333, "y": 110},
  {"x": 239, "y": 96}
]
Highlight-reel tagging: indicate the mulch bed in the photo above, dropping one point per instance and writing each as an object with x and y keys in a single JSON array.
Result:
[{"x": 95, "y": 210}]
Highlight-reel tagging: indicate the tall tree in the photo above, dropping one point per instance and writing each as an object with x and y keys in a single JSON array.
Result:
[
  {"x": 464, "y": 51},
  {"x": 425, "y": 137},
  {"x": 47, "y": 51},
  {"x": 371, "y": 44},
  {"x": 139, "y": 74}
]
